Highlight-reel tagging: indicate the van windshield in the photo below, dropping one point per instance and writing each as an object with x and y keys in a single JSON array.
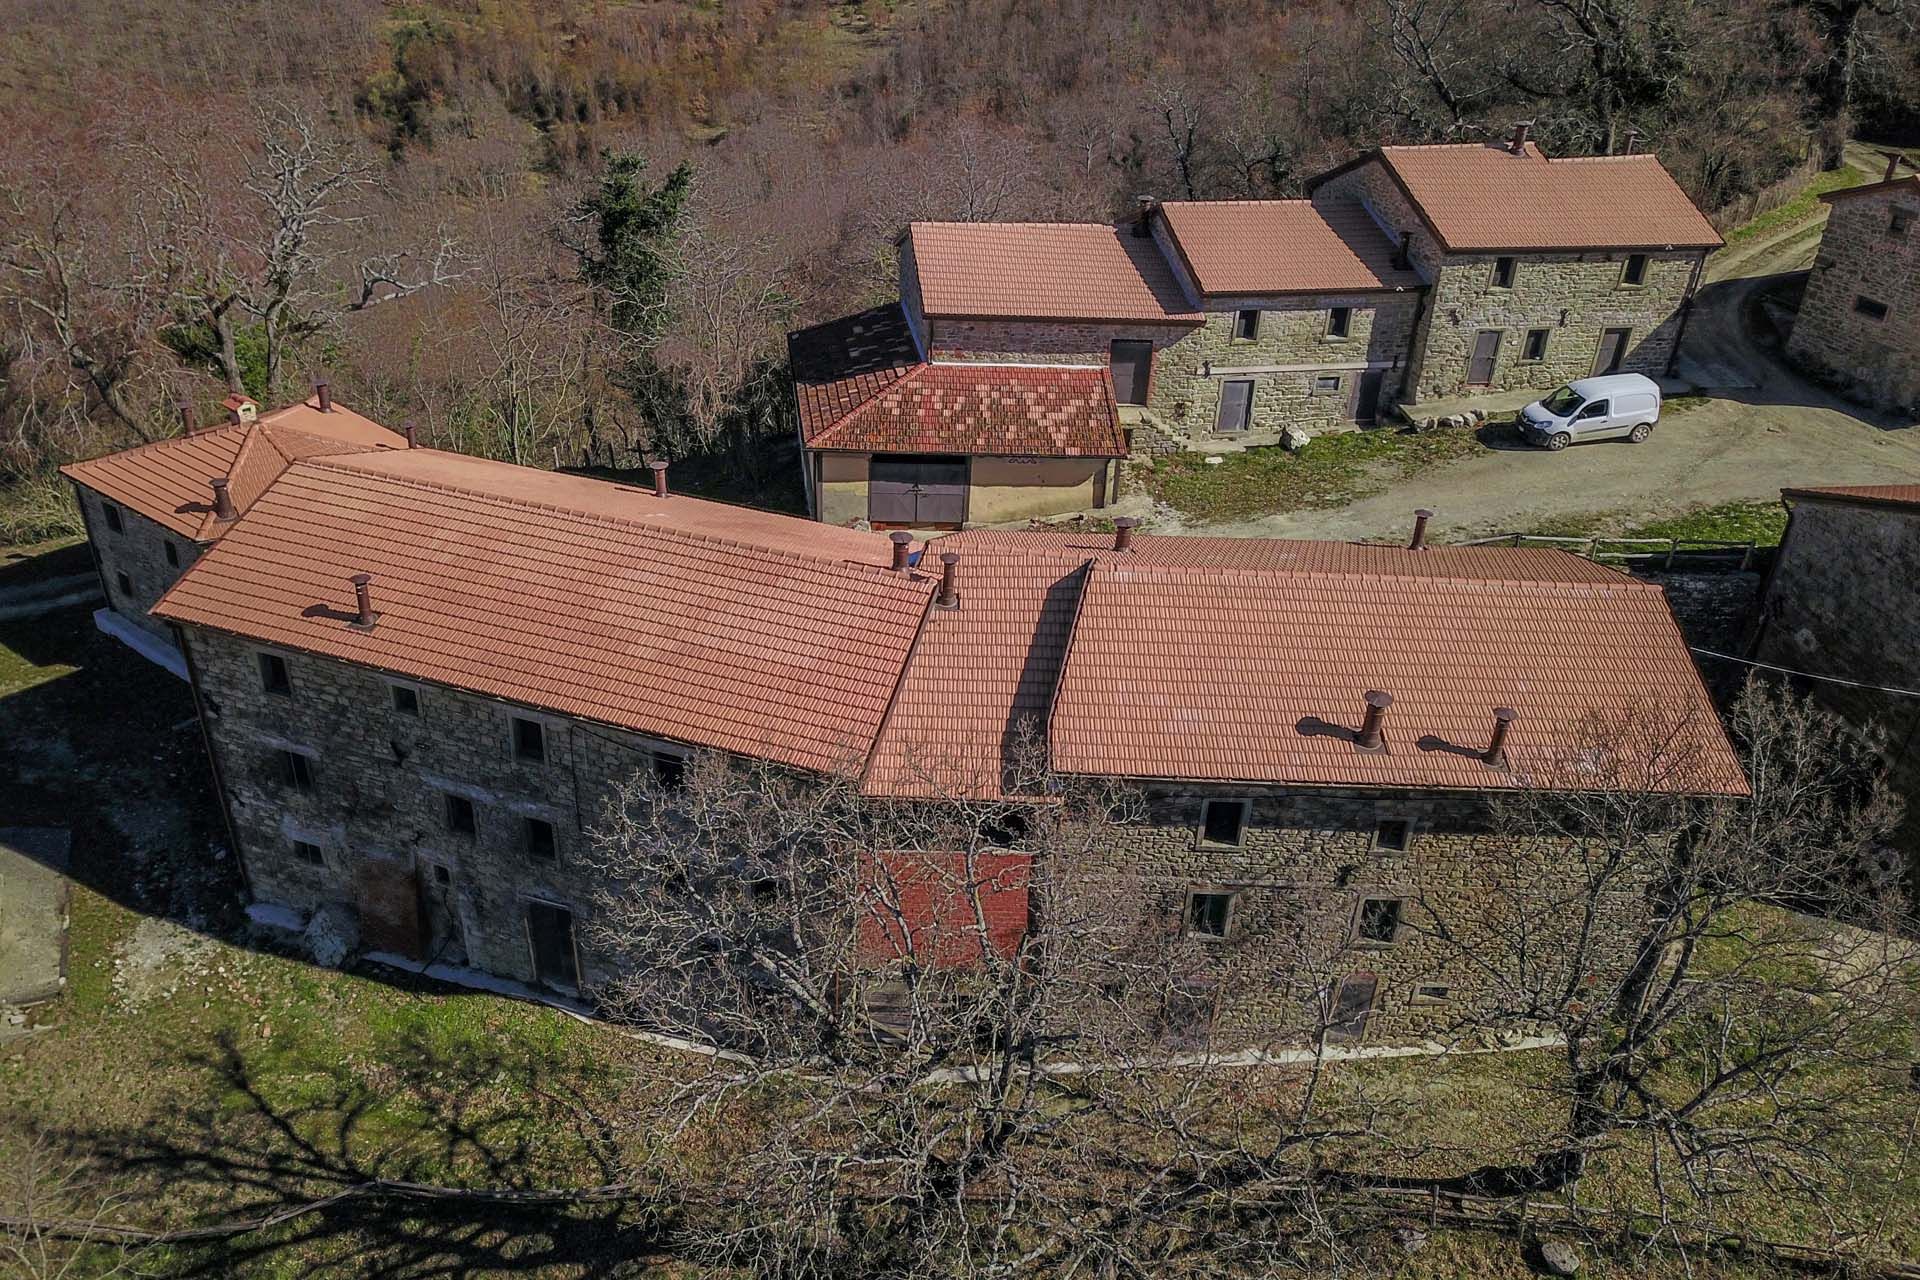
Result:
[{"x": 1562, "y": 402}]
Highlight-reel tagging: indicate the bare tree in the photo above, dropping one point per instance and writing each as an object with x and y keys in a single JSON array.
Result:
[
  {"x": 1427, "y": 37},
  {"x": 53, "y": 1222},
  {"x": 1708, "y": 1026}
]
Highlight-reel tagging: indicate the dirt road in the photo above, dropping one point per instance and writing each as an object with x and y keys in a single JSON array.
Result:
[{"x": 1764, "y": 428}]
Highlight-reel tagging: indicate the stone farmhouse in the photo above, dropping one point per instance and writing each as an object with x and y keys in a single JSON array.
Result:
[
  {"x": 1841, "y": 601},
  {"x": 1024, "y": 363},
  {"x": 1859, "y": 320},
  {"x": 420, "y": 674}
]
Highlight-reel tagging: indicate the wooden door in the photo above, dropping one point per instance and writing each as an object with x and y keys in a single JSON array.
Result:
[
  {"x": 387, "y": 896},
  {"x": 1132, "y": 367},
  {"x": 550, "y": 936},
  {"x": 1613, "y": 349},
  {"x": 1236, "y": 406},
  {"x": 1352, "y": 1005},
  {"x": 1486, "y": 350},
  {"x": 1366, "y": 396},
  {"x": 917, "y": 492}
]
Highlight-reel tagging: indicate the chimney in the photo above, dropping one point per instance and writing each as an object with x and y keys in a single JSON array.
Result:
[
  {"x": 949, "y": 597},
  {"x": 1123, "y": 533},
  {"x": 1419, "y": 540},
  {"x": 324, "y": 394},
  {"x": 1893, "y": 165},
  {"x": 364, "y": 616},
  {"x": 1633, "y": 142},
  {"x": 406, "y": 429},
  {"x": 222, "y": 500},
  {"x": 1496, "y": 753},
  {"x": 185, "y": 411},
  {"x": 1143, "y": 217},
  {"x": 659, "y": 470},
  {"x": 901, "y": 540},
  {"x": 1518, "y": 146},
  {"x": 1370, "y": 737}
]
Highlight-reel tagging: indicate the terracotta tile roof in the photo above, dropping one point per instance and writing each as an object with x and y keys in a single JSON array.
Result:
[
  {"x": 587, "y": 495},
  {"x": 639, "y": 619},
  {"x": 1909, "y": 181},
  {"x": 976, "y": 692},
  {"x": 1045, "y": 271},
  {"x": 167, "y": 481},
  {"x": 1283, "y": 246},
  {"x": 1201, "y": 658},
  {"x": 1270, "y": 688},
  {"x": 1004, "y": 410},
  {"x": 1889, "y": 495},
  {"x": 840, "y": 365},
  {"x": 1480, "y": 197}
]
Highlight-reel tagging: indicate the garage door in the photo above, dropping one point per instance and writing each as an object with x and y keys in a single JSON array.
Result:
[{"x": 917, "y": 492}]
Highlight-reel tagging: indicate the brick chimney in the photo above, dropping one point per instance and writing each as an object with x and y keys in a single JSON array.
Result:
[
  {"x": 659, "y": 470},
  {"x": 902, "y": 541},
  {"x": 1123, "y": 532},
  {"x": 1518, "y": 143},
  {"x": 323, "y": 393},
  {"x": 1419, "y": 540},
  {"x": 1371, "y": 738},
  {"x": 1496, "y": 753},
  {"x": 222, "y": 500},
  {"x": 363, "y": 615},
  {"x": 949, "y": 597}
]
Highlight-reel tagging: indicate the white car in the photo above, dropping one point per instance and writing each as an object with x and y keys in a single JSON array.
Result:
[{"x": 1615, "y": 406}]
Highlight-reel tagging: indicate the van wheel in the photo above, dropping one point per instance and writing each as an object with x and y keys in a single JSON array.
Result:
[
  {"x": 1640, "y": 433},
  {"x": 1558, "y": 441}
]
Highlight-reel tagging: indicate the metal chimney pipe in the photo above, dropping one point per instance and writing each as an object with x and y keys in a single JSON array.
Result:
[
  {"x": 901, "y": 540},
  {"x": 949, "y": 597},
  {"x": 1633, "y": 142},
  {"x": 406, "y": 429},
  {"x": 1123, "y": 532},
  {"x": 659, "y": 470},
  {"x": 1143, "y": 217},
  {"x": 324, "y": 394},
  {"x": 1371, "y": 738},
  {"x": 185, "y": 410},
  {"x": 1521, "y": 129},
  {"x": 1893, "y": 165},
  {"x": 364, "y": 616},
  {"x": 222, "y": 500},
  {"x": 1496, "y": 752},
  {"x": 1419, "y": 540}
]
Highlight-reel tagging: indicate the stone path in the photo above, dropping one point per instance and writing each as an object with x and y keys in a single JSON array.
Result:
[{"x": 33, "y": 913}]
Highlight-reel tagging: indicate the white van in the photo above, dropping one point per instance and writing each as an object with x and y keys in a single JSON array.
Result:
[{"x": 1615, "y": 406}]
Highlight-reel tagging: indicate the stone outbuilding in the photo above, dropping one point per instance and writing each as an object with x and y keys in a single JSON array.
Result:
[{"x": 1859, "y": 319}]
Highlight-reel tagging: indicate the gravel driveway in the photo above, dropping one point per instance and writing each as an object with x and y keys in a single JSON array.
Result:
[{"x": 1764, "y": 429}]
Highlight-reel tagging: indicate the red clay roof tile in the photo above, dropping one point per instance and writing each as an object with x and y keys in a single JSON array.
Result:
[
  {"x": 1891, "y": 495},
  {"x": 1045, "y": 271},
  {"x": 1009, "y": 411},
  {"x": 605, "y": 608},
  {"x": 840, "y": 365},
  {"x": 1283, "y": 246}
]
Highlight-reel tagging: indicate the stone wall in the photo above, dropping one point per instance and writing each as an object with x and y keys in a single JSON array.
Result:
[
  {"x": 1586, "y": 287},
  {"x": 1307, "y": 861},
  {"x": 1861, "y": 256},
  {"x": 1044, "y": 341},
  {"x": 134, "y": 560},
  {"x": 380, "y": 782}
]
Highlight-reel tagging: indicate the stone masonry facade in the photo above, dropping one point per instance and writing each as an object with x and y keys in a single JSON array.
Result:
[
  {"x": 372, "y": 819},
  {"x": 1859, "y": 321},
  {"x": 1560, "y": 305},
  {"x": 138, "y": 558}
]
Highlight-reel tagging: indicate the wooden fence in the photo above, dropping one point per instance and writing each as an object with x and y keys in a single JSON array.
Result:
[{"x": 1696, "y": 555}]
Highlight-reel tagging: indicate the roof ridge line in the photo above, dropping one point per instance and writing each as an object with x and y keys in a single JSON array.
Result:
[
  {"x": 146, "y": 446},
  {"x": 622, "y": 522},
  {"x": 1291, "y": 571},
  {"x": 913, "y": 371}
]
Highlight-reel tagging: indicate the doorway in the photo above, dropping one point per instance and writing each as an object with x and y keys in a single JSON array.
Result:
[
  {"x": 1486, "y": 350},
  {"x": 917, "y": 492},
  {"x": 550, "y": 938},
  {"x": 1132, "y": 370},
  {"x": 1613, "y": 349},
  {"x": 1366, "y": 396}
]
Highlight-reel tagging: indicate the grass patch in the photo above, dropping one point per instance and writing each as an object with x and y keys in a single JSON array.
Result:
[
  {"x": 1761, "y": 523},
  {"x": 1331, "y": 471},
  {"x": 1801, "y": 206}
]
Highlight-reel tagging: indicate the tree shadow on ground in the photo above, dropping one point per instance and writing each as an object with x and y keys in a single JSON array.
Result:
[{"x": 418, "y": 1147}]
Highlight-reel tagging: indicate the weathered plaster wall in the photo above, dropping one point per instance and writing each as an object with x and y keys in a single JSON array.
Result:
[
  {"x": 1007, "y": 489},
  {"x": 843, "y": 487}
]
